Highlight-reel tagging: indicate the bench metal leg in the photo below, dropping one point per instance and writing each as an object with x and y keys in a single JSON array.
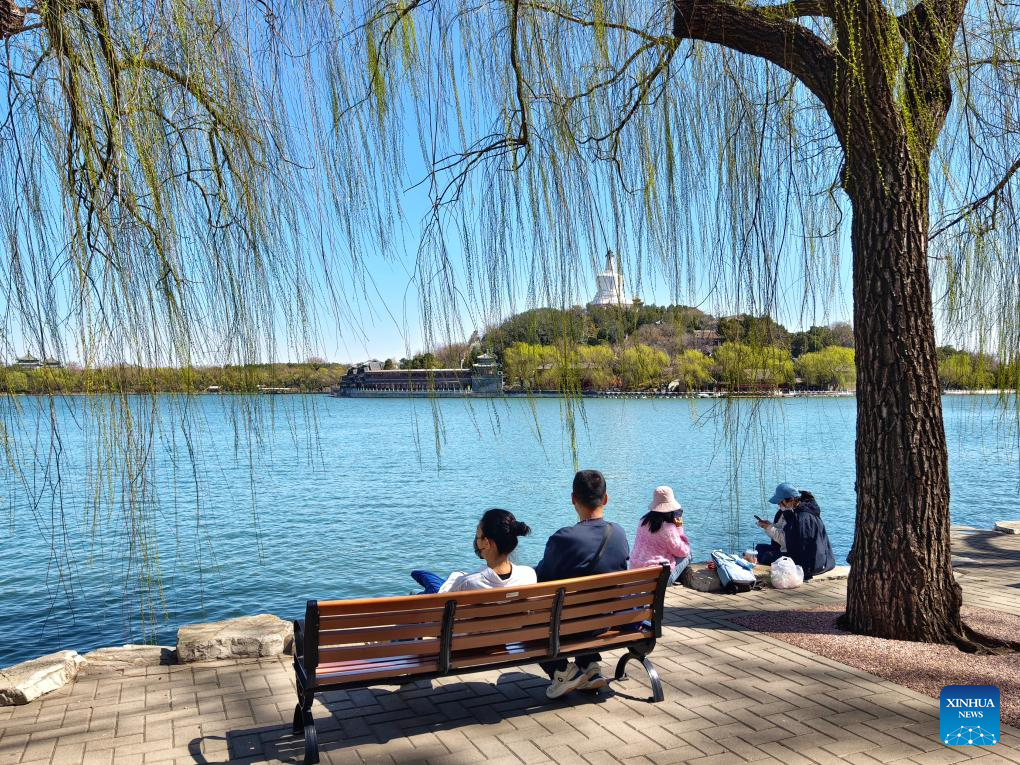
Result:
[
  {"x": 304, "y": 722},
  {"x": 653, "y": 676}
]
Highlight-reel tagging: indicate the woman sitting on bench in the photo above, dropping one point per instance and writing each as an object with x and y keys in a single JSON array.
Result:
[{"x": 495, "y": 538}]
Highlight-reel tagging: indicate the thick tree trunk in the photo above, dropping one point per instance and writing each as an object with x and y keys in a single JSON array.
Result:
[{"x": 901, "y": 581}]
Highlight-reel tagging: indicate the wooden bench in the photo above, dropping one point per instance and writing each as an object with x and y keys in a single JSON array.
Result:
[{"x": 357, "y": 643}]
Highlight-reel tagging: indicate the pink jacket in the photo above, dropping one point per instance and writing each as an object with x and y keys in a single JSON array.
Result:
[{"x": 669, "y": 544}]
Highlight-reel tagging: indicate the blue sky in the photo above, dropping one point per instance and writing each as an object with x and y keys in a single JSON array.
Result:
[
  {"x": 390, "y": 327},
  {"x": 388, "y": 321}
]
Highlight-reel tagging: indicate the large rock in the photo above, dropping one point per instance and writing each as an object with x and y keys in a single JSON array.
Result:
[
  {"x": 127, "y": 657},
  {"x": 1007, "y": 527},
  {"x": 29, "y": 680},
  {"x": 242, "y": 638}
]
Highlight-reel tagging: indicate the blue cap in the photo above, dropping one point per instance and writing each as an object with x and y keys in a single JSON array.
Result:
[{"x": 784, "y": 491}]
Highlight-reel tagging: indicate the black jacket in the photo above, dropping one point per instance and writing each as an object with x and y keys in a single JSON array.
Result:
[
  {"x": 806, "y": 539},
  {"x": 569, "y": 552}
]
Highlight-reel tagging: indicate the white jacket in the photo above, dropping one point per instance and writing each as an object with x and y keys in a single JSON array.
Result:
[
  {"x": 777, "y": 533},
  {"x": 487, "y": 579}
]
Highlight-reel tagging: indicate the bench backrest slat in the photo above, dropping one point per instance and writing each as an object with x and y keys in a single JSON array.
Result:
[
  {"x": 509, "y": 621},
  {"x": 501, "y": 639},
  {"x": 610, "y": 593},
  {"x": 421, "y": 648},
  {"x": 595, "y": 623},
  {"x": 379, "y": 634},
  {"x": 594, "y": 609},
  {"x": 521, "y": 619},
  {"x": 383, "y": 618},
  {"x": 501, "y": 609}
]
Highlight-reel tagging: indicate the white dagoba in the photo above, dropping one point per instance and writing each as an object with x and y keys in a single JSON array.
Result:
[{"x": 610, "y": 284}]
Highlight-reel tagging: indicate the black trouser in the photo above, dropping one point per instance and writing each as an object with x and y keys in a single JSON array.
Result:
[
  {"x": 558, "y": 665},
  {"x": 768, "y": 554}
]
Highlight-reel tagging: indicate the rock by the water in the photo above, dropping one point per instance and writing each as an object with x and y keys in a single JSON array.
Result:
[
  {"x": 128, "y": 656},
  {"x": 1007, "y": 527},
  {"x": 242, "y": 638},
  {"x": 29, "y": 680}
]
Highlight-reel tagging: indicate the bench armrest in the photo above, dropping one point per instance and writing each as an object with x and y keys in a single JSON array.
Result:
[{"x": 299, "y": 637}]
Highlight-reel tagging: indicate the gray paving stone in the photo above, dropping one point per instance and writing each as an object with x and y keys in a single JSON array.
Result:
[{"x": 732, "y": 695}]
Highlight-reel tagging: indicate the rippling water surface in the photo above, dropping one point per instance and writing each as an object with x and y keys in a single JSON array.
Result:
[{"x": 347, "y": 495}]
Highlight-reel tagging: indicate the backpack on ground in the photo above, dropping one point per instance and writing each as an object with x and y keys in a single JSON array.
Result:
[{"x": 733, "y": 572}]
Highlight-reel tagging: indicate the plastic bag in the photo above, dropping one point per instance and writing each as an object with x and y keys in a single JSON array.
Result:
[{"x": 786, "y": 574}]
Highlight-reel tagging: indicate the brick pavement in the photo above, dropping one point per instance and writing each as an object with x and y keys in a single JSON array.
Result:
[{"x": 732, "y": 695}]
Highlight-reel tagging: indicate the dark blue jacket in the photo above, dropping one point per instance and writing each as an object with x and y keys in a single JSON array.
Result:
[
  {"x": 806, "y": 539},
  {"x": 569, "y": 551}
]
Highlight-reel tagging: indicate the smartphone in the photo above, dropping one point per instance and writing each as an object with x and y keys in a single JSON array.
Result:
[{"x": 758, "y": 518}]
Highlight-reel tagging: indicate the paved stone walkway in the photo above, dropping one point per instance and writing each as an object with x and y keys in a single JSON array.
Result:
[{"x": 732, "y": 695}]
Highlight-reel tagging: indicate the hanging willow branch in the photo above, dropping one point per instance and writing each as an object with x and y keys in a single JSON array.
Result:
[{"x": 154, "y": 211}]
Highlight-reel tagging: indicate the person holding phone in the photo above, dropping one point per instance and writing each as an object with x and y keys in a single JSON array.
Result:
[{"x": 797, "y": 531}]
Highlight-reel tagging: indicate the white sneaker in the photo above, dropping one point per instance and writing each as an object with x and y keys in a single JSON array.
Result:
[
  {"x": 593, "y": 679},
  {"x": 564, "y": 681}
]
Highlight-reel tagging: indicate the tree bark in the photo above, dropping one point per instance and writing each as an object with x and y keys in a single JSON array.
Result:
[
  {"x": 12, "y": 18},
  {"x": 901, "y": 581}
]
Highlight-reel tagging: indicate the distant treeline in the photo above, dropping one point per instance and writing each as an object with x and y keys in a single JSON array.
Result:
[
  {"x": 654, "y": 347},
  {"x": 731, "y": 366},
  {"x": 602, "y": 348},
  {"x": 310, "y": 376}
]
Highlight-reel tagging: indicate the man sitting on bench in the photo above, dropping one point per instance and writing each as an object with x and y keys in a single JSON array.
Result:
[{"x": 591, "y": 546}]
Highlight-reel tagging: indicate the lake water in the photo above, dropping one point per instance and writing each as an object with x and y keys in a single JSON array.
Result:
[{"x": 347, "y": 495}]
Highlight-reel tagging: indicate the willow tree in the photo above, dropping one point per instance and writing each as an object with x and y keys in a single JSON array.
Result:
[
  {"x": 547, "y": 126},
  {"x": 150, "y": 214},
  {"x": 165, "y": 164}
]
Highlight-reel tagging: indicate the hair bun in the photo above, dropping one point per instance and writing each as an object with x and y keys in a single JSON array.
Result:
[{"x": 521, "y": 529}]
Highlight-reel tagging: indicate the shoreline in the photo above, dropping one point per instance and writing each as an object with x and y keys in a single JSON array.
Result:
[
  {"x": 265, "y": 635},
  {"x": 636, "y": 394}
]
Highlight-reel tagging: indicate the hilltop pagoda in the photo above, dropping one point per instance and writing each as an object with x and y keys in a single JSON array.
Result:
[{"x": 609, "y": 284}]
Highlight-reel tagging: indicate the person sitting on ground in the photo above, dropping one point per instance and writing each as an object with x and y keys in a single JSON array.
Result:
[
  {"x": 776, "y": 549},
  {"x": 495, "y": 539},
  {"x": 591, "y": 546},
  {"x": 660, "y": 536},
  {"x": 799, "y": 531}
]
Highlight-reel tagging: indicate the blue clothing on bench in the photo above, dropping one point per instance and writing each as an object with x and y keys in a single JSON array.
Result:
[{"x": 431, "y": 582}]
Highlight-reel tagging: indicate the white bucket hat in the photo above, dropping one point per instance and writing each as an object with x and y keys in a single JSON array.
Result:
[{"x": 663, "y": 501}]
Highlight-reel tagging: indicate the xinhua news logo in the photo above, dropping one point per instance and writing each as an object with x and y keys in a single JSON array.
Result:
[{"x": 969, "y": 714}]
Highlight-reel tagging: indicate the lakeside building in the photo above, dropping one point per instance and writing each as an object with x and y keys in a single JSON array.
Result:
[
  {"x": 30, "y": 362},
  {"x": 609, "y": 285},
  {"x": 370, "y": 380}
]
